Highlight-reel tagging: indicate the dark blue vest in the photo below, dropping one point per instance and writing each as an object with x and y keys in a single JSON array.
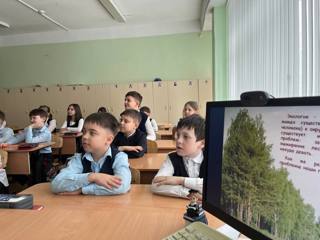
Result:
[
  {"x": 107, "y": 165},
  {"x": 180, "y": 169},
  {"x": 142, "y": 125}
]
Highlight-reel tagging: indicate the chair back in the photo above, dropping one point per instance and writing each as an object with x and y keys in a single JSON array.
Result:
[
  {"x": 152, "y": 146},
  {"x": 58, "y": 143},
  {"x": 135, "y": 176},
  {"x": 4, "y": 158}
]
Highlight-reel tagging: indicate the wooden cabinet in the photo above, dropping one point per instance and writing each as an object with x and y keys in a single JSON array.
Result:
[{"x": 165, "y": 99}]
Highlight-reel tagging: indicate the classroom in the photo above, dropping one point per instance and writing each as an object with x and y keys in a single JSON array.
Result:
[{"x": 104, "y": 116}]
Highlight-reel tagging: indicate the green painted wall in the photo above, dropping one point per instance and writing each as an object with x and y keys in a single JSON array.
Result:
[
  {"x": 171, "y": 57},
  {"x": 220, "y": 54}
]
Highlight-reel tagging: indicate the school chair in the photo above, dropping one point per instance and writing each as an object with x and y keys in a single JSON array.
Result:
[
  {"x": 4, "y": 157},
  {"x": 152, "y": 146},
  {"x": 57, "y": 146},
  {"x": 135, "y": 176}
]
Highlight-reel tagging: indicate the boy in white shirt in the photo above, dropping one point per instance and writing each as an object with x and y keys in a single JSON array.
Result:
[{"x": 183, "y": 169}]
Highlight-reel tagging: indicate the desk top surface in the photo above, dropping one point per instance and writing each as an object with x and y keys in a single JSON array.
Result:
[
  {"x": 138, "y": 214},
  {"x": 166, "y": 144},
  {"x": 149, "y": 161},
  {"x": 14, "y": 147},
  {"x": 164, "y": 132}
]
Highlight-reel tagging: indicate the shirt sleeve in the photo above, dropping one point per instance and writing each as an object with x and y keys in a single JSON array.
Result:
[
  {"x": 194, "y": 183},
  {"x": 70, "y": 178},
  {"x": 121, "y": 169},
  {"x": 151, "y": 135},
  {"x": 79, "y": 128},
  {"x": 52, "y": 126},
  {"x": 169, "y": 190},
  {"x": 154, "y": 125},
  {"x": 64, "y": 125},
  {"x": 17, "y": 138},
  {"x": 8, "y": 133},
  {"x": 44, "y": 136}
]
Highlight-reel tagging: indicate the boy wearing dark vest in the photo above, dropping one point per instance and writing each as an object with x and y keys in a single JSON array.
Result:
[
  {"x": 100, "y": 169},
  {"x": 183, "y": 169},
  {"x": 130, "y": 139},
  {"x": 133, "y": 100}
]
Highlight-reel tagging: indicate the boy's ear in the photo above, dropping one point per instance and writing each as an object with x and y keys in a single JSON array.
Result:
[
  {"x": 109, "y": 139},
  {"x": 202, "y": 143}
]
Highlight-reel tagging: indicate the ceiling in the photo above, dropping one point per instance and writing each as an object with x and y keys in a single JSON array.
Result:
[{"x": 89, "y": 19}]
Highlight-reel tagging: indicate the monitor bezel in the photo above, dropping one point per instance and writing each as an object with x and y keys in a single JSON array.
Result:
[{"x": 216, "y": 211}]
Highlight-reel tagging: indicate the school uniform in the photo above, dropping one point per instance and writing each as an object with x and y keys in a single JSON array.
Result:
[
  {"x": 51, "y": 124},
  {"x": 5, "y": 134},
  {"x": 138, "y": 138},
  {"x": 190, "y": 168},
  {"x": 146, "y": 127},
  {"x": 73, "y": 126},
  {"x": 41, "y": 161},
  {"x": 75, "y": 175},
  {"x": 154, "y": 124}
]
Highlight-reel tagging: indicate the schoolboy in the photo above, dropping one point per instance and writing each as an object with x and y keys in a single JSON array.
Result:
[
  {"x": 100, "y": 169},
  {"x": 133, "y": 100},
  {"x": 183, "y": 169},
  {"x": 130, "y": 139},
  {"x": 5, "y": 132},
  {"x": 147, "y": 111},
  {"x": 36, "y": 132}
]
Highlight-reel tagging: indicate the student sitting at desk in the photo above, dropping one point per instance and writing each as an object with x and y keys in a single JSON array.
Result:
[
  {"x": 101, "y": 169},
  {"x": 183, "y": 170},
  {"x": 74, "y": 121},
  {"x": 5, "y": 133},
  {"x": 130, "y": 139},
  {"x": 147, "y": 111},
  {"x": 50, "y": 123},
  {"x": 37, "y": 132},
  {"x": 133, "y": 100}
]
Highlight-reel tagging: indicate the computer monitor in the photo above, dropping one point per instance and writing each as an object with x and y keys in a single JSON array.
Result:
[{"x": 263, "y": 167}]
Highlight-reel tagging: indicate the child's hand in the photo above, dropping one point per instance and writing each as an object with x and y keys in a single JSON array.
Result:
[
  {"x": 196, "y": 194},
  {"x": 130, "y": 148},
  {"x": 63, "y": 130},
  {"x": 76, "y": 192},
  {"x": 168, "y": 180},
  {"x": 105, "y": 180},
  {"x": 3, "y": 145},
  {"x": 136, "y": 148}
]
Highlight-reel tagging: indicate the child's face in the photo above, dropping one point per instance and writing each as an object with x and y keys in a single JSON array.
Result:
[
  {"x": 127, "y": 124},
  {"x": 71, "y": 111},
  {"x": 188, "y": 111},
  {"x": 131, "y": 103},
  {"x": 96, "y": 139},
  {"x": 187, "y": 144},
  {"x": 37, "y": 121}
]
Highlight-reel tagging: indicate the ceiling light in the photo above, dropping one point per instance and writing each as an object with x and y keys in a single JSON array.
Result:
[
  {"x": 43, "y": 14},
  {"x": 4, "y": 25},
  {"x": 114, "y": 11}
]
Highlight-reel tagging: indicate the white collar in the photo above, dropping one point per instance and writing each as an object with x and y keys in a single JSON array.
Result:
[{"x": 197, "y": 159}]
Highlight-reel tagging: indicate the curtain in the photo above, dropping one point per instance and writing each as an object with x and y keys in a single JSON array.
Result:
[{"x": 273, "y": 46}]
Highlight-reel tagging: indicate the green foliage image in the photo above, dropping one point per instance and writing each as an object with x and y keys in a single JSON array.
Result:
[{"x": 256, "y": 193}]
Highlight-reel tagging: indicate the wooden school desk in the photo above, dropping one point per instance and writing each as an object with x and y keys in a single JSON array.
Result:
[
  {"x": 19, "y": 160},
  {"x": 164, "y": 126},
  {"x": 165, "y": 146},
  {"x": 69, "y": 144},
  {"x": 164, "y": 134},
  {"x": 148, "y": 165},
  {"x": 138, "y": 214}
]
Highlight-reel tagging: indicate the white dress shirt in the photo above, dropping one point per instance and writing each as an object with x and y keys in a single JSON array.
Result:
[
  {"x": 52, "y": 125},
  {"x": 151, "y": 135},
  {"x": 193, "y": 182},
  {"x": 74, "y": 129}
]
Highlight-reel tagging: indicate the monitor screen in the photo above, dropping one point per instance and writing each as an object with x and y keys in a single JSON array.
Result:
[{"x": 263, "y": 167}]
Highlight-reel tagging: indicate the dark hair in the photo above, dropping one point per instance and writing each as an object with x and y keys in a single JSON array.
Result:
[
  {"x": 195, "y": 122},
  {"x": 102, "y": 109},
  {"x": 134, "y": 114},
  {"x": 104, "y": 120},
  {"x": 47, "y": 109},
  {"x": 2, "y": 116},
  {"x": 78, "y": 114},
  {"x": 145, "y": 109},
  {"x": 38, "y": 112},
  {"x": 193, "y": 104},
  {"x": 137, "y": 96}
]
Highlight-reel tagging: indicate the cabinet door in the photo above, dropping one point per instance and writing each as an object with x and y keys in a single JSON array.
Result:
[
  {"x": 205, "y": 95},
  {"x": 180, "y": 92},
  {"x": 146, "y": 90},
  {"x": 117, "y": 95},
  {"x": 58, "y": 103},
  {"x": 160, "y": 102},
  {"x": 99, "y": 97}
]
